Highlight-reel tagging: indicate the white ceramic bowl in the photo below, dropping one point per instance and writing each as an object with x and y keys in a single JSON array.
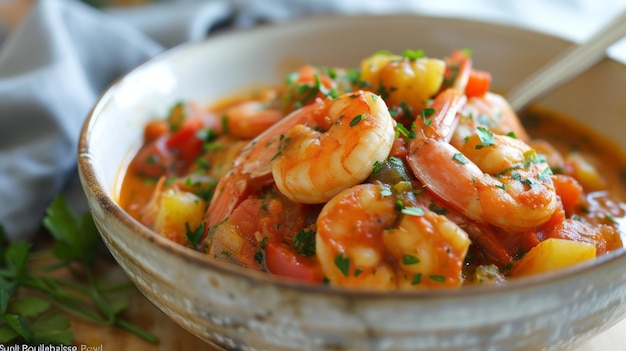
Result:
[{"x": 238, "y": 309}]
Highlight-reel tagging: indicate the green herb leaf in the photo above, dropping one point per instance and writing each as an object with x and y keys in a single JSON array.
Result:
[
  {"x": 29, "y": 306},
  {"x": 486, "y": 136},
  {"x": 357, "y": 119},
  {"x": 458, "y": 157},
  {"x": 437, "y": 278},
  {"x": 412, "y": 211},
  {"x": 304, "y": 242},
  {"x": 195, "y": 236},
  {"x": 409, "y": 259},
  {"x": 343, "y": 263},
  {"x": 53, "y": 329},
  {"x": 75, "y": 236},
  {"x": 413, "y": 54}
]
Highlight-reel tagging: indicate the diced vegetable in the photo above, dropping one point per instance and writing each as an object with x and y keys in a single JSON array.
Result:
[
  {"x": 570, "y": 191},
  {"x": 478, "y": 83},
  {"x": 178, "y": 211},
  {"x": 283, "y": 260},
  {"x": 553, "y": 254},
  {"x": 584, "y": 171}
]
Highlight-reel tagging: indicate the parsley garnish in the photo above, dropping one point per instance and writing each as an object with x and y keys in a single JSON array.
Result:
[
  {"x": 438, "y": 210},
  {"x": 485, "y": 136},
  {"x": 409, "y": 259},
  {"x": 32, "y": 297},
  {"x": 258, "y": 256},
  {"x": 343, "y": 263},
  {"x": 377, "y": 166},
  {"x": 304, "y": 242},
  {"x": 458, "y": 157},
  {"x": 437, "y": 278},
  {"x": 401, "y": 130},
  {"x": 413, "y": 54},
  {"x": 195, "y": 236},
  {"x": 357, "y": 119}
]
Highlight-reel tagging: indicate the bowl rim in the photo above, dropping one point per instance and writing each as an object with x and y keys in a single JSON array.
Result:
[{"x": 90, "y": 181}]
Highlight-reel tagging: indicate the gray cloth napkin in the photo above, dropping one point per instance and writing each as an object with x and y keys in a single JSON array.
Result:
[{"x": 52, "y": 69}]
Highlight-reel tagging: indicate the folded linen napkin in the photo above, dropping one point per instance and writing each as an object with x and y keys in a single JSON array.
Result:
[{"x": 64, "y": 54}]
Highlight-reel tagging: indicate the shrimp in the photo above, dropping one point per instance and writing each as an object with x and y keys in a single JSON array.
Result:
[
  {"x": 252, "y": 168},
  {"x": 248, "y": 119},
  {"x": 490, "y": 111},
  {"x": 500, "y": 180},
  {"x": 364, "y": 241},
  {"x": 371, "y": 136},
  {"x": 312, "y": 166}
]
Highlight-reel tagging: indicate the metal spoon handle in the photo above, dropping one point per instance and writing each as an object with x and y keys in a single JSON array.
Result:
[{"x": 568, "y": 64}]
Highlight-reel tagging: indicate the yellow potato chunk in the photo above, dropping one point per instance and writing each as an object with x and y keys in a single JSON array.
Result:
[
  {"x": 585, "y": 172},
  {"x": 400, "y": 80},
  {"x": 553, "y": 254},
  {"x": 177, "y": 208}
]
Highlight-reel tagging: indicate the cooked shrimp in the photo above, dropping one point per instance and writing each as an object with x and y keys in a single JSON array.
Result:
[
  {"x": 364, "y": 241},
  {"x": 312, "y": 165},
  {"x": 248, "y": 119},
  {"x": 501, "y": 181},
  {"x": 360, "y": 132},
  {"x": 252, "y": 168},
  {"x": 489, "y": 111}
]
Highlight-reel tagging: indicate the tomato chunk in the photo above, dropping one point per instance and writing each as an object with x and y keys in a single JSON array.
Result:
[
  {"x": 478, "y": 83},
  {"x": 282, "y": 260}
]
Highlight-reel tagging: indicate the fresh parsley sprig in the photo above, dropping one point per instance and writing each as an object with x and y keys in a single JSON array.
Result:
[{"x": 35, "y": 299}]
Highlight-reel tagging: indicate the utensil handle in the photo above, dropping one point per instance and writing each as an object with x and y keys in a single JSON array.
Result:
[{"x": 568, "y": 64}]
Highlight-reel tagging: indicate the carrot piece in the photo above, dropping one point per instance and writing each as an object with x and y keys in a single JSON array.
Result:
[
  {"x": 569, "y": 190},
  {"x": 154, "y": 129},
  {"x": 478, "y": 83}
]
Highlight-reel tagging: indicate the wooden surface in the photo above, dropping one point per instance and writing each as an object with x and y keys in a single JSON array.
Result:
[{"x": 172, "y": 337}]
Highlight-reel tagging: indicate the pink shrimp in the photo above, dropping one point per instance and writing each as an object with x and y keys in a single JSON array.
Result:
[
  {"x": 364, "y": 240},
  {"x": 496, "y": 179},
  {"x": 360, "y": 132}
]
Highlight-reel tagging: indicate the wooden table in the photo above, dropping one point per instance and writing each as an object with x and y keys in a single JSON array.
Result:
[{"x": 172, "y": 337}]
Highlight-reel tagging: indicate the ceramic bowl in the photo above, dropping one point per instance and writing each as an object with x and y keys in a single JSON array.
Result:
[{"x": 237, "y": 309}]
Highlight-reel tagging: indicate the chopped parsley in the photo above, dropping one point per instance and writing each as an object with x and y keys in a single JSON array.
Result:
[
  {"x": 343, "y": 264},
  {"x": 377, "y": 166},
  {"x": 357, "y": 119},
  {"x": 437, "y": 278},
  {"x": 458, "y": 157},
  {"x": 304, "y": 242},
  {"x": 413, "y": 54},
  {"x": 485, "y": 136},
  {"x": 438, "y": 210},
  {"x": 195, "y": 236},
  {"x": 409, "y": 259}
]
